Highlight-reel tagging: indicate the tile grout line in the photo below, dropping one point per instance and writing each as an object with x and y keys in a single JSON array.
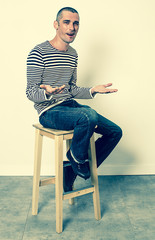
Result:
[
  {"x": 125, "y": 210},
  {"x": 26, "y": 220}
]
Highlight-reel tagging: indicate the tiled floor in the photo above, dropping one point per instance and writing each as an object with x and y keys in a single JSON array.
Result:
[{"x": 127, "y": 206}]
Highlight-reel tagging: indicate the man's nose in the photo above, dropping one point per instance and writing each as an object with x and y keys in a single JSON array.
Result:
[{"x": 71, "y": 26}]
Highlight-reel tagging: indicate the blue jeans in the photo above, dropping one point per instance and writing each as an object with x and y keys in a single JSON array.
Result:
[{"x": 71, "y": 115}]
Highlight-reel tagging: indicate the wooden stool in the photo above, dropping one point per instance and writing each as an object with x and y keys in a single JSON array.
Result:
[{"x": 59, "y": 136}]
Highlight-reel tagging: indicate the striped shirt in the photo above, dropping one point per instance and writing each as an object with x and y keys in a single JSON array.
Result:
[{"x": 49, "y": 66}]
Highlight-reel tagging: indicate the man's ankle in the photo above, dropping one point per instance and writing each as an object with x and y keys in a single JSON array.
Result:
[{"x": 77, "y": 161}]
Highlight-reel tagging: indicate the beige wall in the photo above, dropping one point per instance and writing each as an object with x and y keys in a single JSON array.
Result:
[{"x": 115, "y": 44}]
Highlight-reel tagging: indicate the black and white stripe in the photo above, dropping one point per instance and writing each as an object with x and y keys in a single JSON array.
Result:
[{"x": 49, "y": 66}]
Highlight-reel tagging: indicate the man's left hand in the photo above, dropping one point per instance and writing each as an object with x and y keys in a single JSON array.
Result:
[{"x": 103, "y": 89}]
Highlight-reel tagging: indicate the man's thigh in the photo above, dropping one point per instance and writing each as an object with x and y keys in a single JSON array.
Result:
[
  {"x": 62, "y": 117},
  {"x": 105, "y": 126}
]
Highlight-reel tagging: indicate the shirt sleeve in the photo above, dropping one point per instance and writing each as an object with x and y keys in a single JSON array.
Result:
[
  {"x": 35, "y": 69},
  {"x": 79, "y": 92}
]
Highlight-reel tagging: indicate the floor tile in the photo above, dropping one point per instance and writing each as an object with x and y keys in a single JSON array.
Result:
[{"x": 127, "y": 209}]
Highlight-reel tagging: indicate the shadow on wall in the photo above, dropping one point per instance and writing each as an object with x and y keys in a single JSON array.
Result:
[
  {"x": 119, "y": 162},
  {"x": 121, "y": 156}
]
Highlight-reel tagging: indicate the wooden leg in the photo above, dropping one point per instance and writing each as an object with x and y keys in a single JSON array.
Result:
[
  {"x": 36, "y": 175},
  {"x": 94, "y": 179},
  {"x": 59, "y": 182},
  {"x": 68, "y": 144}
]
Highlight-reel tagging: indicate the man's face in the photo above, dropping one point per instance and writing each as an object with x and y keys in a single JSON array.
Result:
[{"x": 68, "y": 26}]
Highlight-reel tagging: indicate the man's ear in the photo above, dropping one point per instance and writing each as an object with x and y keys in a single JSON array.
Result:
[{"x": 56, "y": 25}]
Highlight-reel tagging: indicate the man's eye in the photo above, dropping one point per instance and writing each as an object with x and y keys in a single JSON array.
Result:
[{"x": 67, "y": 22}]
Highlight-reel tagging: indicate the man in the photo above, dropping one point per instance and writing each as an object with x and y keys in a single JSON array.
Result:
[{"x": 52, "y": 77}]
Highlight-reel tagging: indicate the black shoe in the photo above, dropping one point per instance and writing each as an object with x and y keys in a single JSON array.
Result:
[
  {"x": 68, "y": 176},
  {"x": 81, "y": 169}
]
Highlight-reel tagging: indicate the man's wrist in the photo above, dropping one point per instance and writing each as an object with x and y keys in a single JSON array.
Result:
[
  {"x": 47, "y": 96},
  {"x": 93, "y": 92}
]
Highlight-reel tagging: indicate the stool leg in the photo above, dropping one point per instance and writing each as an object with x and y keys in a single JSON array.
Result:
[
  {"x": 59, "y": 182},
  {"x": 94, "y": 179},
  {"x": 68, "y": 144},
  {"x": 36, "y": 175}
]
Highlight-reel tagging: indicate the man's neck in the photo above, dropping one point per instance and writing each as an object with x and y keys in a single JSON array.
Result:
[{"x": 59, "y": 45}]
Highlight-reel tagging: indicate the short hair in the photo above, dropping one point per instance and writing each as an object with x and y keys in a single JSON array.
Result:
[{"x": 59, "y": 14}]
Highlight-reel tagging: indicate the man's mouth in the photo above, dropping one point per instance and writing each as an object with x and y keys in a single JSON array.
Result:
[{"x": 71, "y": 34}]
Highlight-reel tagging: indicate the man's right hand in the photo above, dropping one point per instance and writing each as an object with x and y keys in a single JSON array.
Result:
[{"x": 52, "y": 91}]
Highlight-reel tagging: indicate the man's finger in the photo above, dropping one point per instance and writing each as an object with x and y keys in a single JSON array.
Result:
[
  {"x": 111, "y": 90},
  {"x": 62, "y": 87},
  {"x": 57, "y": 90},
  {"x": 108, "y": 85},
  {"x": 42, "y": 86}
]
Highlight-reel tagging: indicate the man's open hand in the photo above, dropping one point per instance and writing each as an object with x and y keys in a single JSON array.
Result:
[
  {"x": 103, "y": 89},
  {"x": 52, "y": 91}
]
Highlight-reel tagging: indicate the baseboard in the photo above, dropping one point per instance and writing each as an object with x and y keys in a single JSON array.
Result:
[
  {"x": 103, "y": 170},
  {"x": 126, "y": 170}
]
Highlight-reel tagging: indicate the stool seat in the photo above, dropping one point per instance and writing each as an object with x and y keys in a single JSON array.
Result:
[
  {"x": 53, "y": 131},
  {"x": 59, "y": 136}
]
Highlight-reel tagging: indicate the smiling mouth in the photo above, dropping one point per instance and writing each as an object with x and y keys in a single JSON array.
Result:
[{"x": 71, "y": 34}]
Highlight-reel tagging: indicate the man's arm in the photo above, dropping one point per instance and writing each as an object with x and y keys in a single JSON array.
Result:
[
  {"x": 36, "y": 91},
  {"x": 79, "y": 92},
  {"x": 35, "y": 69},
  {"x": 88, "y": 93},
  {"x": 103, "y": 89}
]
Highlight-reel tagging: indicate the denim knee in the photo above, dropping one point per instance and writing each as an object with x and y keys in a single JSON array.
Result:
[
  {"x": 91, "y": 117},
  {"x": 118, "y": 132}
]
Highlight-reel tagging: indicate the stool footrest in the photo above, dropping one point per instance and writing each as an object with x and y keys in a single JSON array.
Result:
[
  {"x": 79, "y": 192},
  {"x": 47, "y": 181}
]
